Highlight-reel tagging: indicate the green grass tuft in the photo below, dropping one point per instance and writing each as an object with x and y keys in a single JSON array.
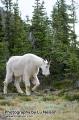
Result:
[
  {"x": 2, "y": 97},
  {"x": 48, "y": 98},
  {"x": 25, "y": 98},
  {"x": 64, "y": 84},
  {"x": 4, "y": 102},
  {"x": 71, "y": 97}
]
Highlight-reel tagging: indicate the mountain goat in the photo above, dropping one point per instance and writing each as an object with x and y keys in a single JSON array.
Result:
[{"x": 25, "y": 67}]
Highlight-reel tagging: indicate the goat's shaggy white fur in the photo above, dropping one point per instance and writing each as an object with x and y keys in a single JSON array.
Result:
[{"x": 25, "y": 67}]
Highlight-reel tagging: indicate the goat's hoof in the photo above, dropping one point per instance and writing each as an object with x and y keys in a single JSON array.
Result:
[{"x": 28, "y": 93}]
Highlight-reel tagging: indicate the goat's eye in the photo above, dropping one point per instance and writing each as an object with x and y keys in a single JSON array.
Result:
[{"x": 46, "y": 66}]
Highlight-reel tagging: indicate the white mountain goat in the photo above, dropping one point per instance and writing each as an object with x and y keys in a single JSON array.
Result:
[{"x": 25, "y": 67}]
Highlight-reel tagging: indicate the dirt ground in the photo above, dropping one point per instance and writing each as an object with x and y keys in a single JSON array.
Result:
[{"x": 39, "y": 106}]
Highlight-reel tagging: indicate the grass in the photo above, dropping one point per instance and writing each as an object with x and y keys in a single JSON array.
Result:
[
  {"x": 63, "y": 84},
  {"x": 2, "y": 97},
  {"x": 71, "y": 97},
  {"x": 49, "y": 98},
  {"x": 64, "y": 104},
  {"x": 25, "y": 98},
  {"x": 5, "y": 102}
]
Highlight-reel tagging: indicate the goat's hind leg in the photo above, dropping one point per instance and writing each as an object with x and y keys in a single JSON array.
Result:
[{"x": 8, "y": 79}]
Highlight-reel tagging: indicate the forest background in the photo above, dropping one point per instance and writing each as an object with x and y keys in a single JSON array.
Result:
[{"x": 52, "y": 38}]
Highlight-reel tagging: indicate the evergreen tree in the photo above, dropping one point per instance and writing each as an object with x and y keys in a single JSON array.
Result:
[
  {"x": 1, "y": 27},
  {"x": 20, "y": 37},
  {"x": 8, "y": 24},
  {"x": 72, "y": 15},
  {"x": 38, "y": 28},
  {"x": 62, "y": 48},
  {"x": 60, "y": 23},
  {"x": 3, "y": 50}
]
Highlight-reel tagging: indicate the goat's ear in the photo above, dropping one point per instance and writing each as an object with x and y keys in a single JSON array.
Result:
[{"x": 44, "y": 61}]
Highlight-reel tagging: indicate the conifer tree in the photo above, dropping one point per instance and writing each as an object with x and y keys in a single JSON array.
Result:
[
  {"x": 60, "y": 23},
  {"x": 73, "y": 21},
  {"x": 1, "y": 27},
  {"x": 62, "y": 40},
  {"x": 8, "y": 23},
  {"x": 39, "y": 27},
  {"x": 20, "y": 37},
  {"x": 3, "y": 50}
]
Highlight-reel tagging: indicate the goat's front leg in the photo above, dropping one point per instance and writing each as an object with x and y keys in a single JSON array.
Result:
[
  {"x": 27, "y": 85},
  {"x": 35, "y": 82},
  {"x": 17, "y": 84}
]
